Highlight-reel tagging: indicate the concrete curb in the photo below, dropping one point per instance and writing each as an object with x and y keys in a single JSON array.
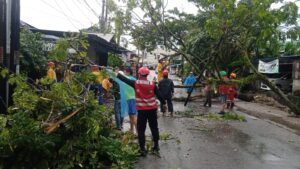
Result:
[{"x": 277, "y": 119}]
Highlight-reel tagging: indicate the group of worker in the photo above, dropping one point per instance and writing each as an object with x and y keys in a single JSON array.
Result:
[
  {"x": 226, "y": 89},
  {"x": 145, "y": 92},
  {"x": 227, "y": 92},
  {"x": 102, "y": 87},
  {"x": 137, "y": 96}
]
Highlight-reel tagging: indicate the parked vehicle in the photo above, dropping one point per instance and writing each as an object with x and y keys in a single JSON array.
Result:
[{"x": 282, "y": 81}]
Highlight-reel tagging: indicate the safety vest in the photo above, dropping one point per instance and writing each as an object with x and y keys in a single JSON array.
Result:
[{"x": 145, "y": 96}]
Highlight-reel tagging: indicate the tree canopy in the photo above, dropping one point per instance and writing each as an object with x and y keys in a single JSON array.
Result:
[{"x": 223, "y": 34}]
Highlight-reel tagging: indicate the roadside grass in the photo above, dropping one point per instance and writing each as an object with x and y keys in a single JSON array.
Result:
[
  {"x": 167, "y": 136},
  {"x": 188, "y": 113},
  {"x": 228, "y": 116}
]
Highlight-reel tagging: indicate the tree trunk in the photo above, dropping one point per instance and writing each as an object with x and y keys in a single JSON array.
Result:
[{"x": 285, "y": 100}]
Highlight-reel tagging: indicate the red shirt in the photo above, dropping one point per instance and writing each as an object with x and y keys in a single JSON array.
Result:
[{"x": 231, "y": 93}]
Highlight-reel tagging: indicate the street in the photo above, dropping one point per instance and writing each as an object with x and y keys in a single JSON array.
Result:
[
  {"x": 199, "y": 142},
  {"x": 255, "y": 144},
  {"x": 62, "y": 106}
]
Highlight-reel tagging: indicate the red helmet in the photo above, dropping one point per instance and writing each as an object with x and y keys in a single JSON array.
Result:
[
  {"x": 144, "y": 71},
  {"x": 165, "y": 73},
  {"x": 51, "y": 64}
]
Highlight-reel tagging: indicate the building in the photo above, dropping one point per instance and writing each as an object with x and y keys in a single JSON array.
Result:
[
  {"x": 287, "y": 79},
  {"x": 99, "y": 44}
]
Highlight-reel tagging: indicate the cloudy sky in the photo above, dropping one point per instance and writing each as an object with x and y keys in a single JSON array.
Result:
[{"x": 72, "y": 15}]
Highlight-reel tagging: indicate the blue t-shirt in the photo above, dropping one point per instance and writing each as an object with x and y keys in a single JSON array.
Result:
[{"x": 190, "y": 80}]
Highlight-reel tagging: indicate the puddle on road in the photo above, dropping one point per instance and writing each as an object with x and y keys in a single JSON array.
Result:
[{"x": 270, "y": 157}]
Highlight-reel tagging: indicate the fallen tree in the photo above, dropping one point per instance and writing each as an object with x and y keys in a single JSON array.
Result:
[{"x": 224, "y": 35}]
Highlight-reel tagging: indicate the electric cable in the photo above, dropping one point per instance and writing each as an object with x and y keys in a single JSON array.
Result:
[
  {"x": 84, "y": 14},
  {"x": 93, "y": 11},
  {"x": 65, "y": 15},
  {"x": 98, "y": 3}
]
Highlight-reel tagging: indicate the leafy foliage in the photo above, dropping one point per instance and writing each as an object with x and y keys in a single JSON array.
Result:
[
  {"x": 61, "y": 125},
  {"x": 34, "y": 57},
  {"x": 73, "y": 41},
  {"x": 223, "y": 32},
  {"x": 227, "y": 116},
  {"x": 114, "y": 60}
]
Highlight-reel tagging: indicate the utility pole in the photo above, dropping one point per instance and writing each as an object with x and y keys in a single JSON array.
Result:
[
  {"x": 14, "y": 44},
  {"x": 102, "y": 17},
  {"x": 9, "y": 46},
  {"x": 3, "y": 63},
  {"x": 15, "y": 36}
]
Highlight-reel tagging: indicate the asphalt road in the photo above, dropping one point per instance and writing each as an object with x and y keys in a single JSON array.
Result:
[
  {"x": 204, "y": 144},
  {"x": 200, "y": 143}
]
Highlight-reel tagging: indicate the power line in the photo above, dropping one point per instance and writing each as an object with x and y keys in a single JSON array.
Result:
[
  {"x": 47, "y": 13},
  {"x": 82, "y": 12},
  {"x": 67, "y": 7},
  {"x": 89, "y": 9},
  {"x": 98, "y": 3},
  {"x": 87, "y": 4},
  {"x": 65, "y": 15}
]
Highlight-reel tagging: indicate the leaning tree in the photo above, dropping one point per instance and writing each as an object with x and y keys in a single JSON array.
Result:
[{"x": 224, "y": 32}]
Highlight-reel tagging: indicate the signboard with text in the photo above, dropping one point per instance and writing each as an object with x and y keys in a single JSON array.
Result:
[{"x": 268, "y": 67}]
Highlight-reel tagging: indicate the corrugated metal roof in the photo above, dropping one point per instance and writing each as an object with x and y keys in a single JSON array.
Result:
[{"x": 108, "y": 37}]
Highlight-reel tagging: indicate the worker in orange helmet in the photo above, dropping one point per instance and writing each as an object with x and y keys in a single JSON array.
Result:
[
  {"x": 51, "y": 71},
  {"x": 166, "y": 88},
  {"x": 231, "y": 94},
  {"x": 145, "y": 92}
]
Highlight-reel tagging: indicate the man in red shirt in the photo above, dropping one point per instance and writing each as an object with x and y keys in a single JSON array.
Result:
[
  {"x": 231, "y": 94},
  {"x": 223, "y": 91}
]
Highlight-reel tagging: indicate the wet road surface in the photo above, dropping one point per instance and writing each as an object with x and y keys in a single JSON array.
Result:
[
  {"x": 255, "y": 144},
  {"x": 200, "y": 143}
]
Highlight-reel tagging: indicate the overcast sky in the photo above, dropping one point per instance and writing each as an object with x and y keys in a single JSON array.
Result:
[{"x": 72, "y": 15}]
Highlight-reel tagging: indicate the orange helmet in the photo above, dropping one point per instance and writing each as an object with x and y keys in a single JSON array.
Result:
[
  {"x": 165, "y": 73},
  {"x": 144, "y": 71},
  {"x": 51, "y": 64},
  {"x": 233, "y": 75}
]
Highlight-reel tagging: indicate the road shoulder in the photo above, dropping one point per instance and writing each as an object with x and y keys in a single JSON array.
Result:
[{"x": 267, "y": 112}]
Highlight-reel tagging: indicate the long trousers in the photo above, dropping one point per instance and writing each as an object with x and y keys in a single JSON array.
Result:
[
  {"x": 151, "y": 117},
  {"x": 170, "y": 105},
  {"x": 208, "y": 99},
  {"x": 117, "y": 111}
]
